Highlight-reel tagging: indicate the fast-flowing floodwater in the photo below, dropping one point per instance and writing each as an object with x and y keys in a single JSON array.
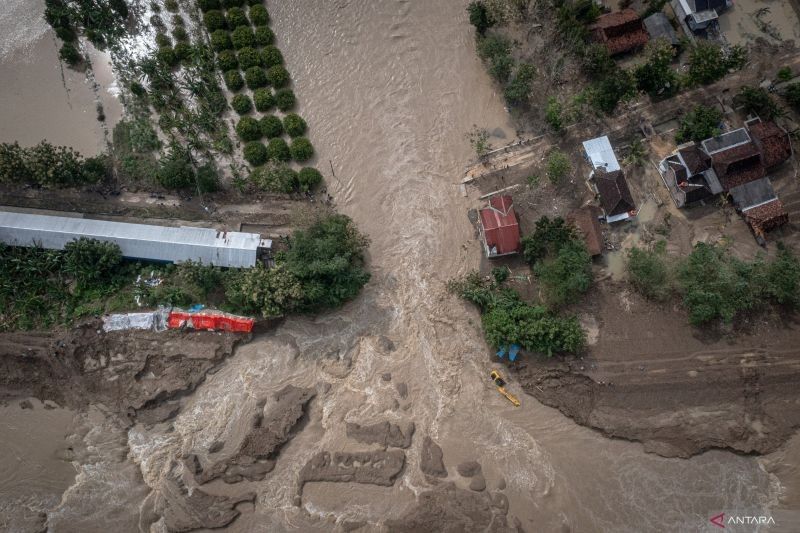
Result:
[{"x": 389, "y": 89}]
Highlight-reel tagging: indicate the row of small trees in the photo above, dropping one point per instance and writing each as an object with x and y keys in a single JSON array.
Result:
[
  {"x": 713, "y": 284},
  {"x": 45, "y": 164}
]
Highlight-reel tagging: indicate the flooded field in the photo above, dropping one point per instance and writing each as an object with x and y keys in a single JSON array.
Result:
[
  {"x": 42, "y": 99},
  {"x": 774, "y": 20}
]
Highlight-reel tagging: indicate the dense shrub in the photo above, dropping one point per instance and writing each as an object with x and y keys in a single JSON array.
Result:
[
  {"x": 284, "y": 99},
  {"x": 242, "y": 104},
  {"x": 232, "y": 3},
  {"x": 275, "y": 177},
  {"x": 648, "y": 272},
  {"x": 596, "y": 61},
  {"x": 69, "y": 54},
  {"x": 783, "y": 278},
  {"x": 518, "y": 90},
  {"x": 248, "y": 129},
  {"x": 278, "y": 76},
  {"x": 175, "y": 170},
  {"x": 177, "y": 21},
  {"x": 699, "y": 124},
  {"x": 208, "y": 5},
  {"x": 271, "y": 126},
  {"x": 183, "y": 51},
  {"x": 259, "y": 16},
  {"x": 66, "y": 34},
  {"x": 717, "y": 285},
  {"x": 255, "y": 153},
  {"x": 617, "y": 86},
  {"x": 236, "y": 18},
  {"x": 558, "y": 166},
  {"x": 90, "y": 261},
  {"x": 255, "y": 77},
  {"x": 301, "y": 149},
  {"x": 271, "y": 56},
  {"x": 495, "y": 50},
  {"x": 180, "y": 34},
  {"x": 226, "y": 60},
  {"x": 263, "y": 99},
  {"x": 264, "y": 36},
  {"x": 308, "y": 178},
  {"x": 548, "y": 237},
  {"x": 278, "y": 150},
  {"x": 248, "y": 58},
  {"x": 242, "y": 36},
  {"x": 565, "y": 277},
  {"x": 214, "y": 20},
  {"x": 221, "y": 40},
  {"x": 167, "y": 55},
  {"x": 233, "y": 80},
  {"x": 171, "y": 5},
  {"x": 162, "y": 39},
  {"x": 758, "y": 101},
  {"x": 46, "y": 164},
  {"x": 294, "y": 125},
  {"x": 480, "y": 17}
]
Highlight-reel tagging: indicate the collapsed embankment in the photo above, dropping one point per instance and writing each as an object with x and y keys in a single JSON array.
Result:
[{"x": 140, "y": 375}]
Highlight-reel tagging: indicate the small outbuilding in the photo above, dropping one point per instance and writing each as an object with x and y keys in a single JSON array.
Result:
[
  {"x": 499, "y": 227},
  {"x": 620, "y": 32},
  {"x": 659, "y": 27},
  {"x": 587, "y": 223}
]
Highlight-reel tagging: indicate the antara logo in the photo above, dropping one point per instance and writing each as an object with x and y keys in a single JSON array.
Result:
[{"x": 719, "y": 520}]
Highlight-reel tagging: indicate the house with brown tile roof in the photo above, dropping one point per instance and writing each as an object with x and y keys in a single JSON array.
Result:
[
  {"x": 615, "y": 196},
  {"x": 735, "y": 158},
  {"x": 620, "y": 32},
  {"x": 760, "y": 206},
  {"x": 773, "y": 142}
]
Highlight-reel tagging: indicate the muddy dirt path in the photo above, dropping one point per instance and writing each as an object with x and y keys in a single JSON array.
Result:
[{"x": 390, "y": 89}]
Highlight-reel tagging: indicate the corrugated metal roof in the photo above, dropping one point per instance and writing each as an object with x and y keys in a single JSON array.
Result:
[
  {"x": 139, "y": 241},
  {"x": 500, "y": 226},
  {"x": 726, "y": 141},
  {"x": 600, "y": 153}
]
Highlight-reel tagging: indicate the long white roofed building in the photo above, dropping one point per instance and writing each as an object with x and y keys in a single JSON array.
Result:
[{"x": 138, "y": 241}]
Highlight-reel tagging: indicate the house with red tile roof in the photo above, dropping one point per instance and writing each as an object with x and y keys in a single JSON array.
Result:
[
  {"x": 620, "y": 32},
  {"x": 773, "y": 142},
  {"x": 499, "y": 227}
]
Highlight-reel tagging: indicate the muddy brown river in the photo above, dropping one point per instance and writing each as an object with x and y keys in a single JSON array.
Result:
[{"x": 389, "y": 89}]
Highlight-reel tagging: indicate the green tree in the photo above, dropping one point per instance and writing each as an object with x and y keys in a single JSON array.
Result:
[
  {"x": 783, "y": 278},
  {"x": 242, "y": 104},
  {"x": 613, "y": 89},
  {"x": 271, "y": 57},
  {"x": 519, "y": 89},
  {"x": 90, "y": 261},
  {"x": 479, "y": 17},
  {"x": 264, "y": 36},
  {"x": 255, "y": 78},
  {"x": 301, "y": 149},
  {"x": 699, "y": 124},
  {"x": 547, "y": 238},
  {"x": 284, "y": 99},
  {"x": 221, "y": 40},
  {"x": 554, "y": 114},
  {"x": 567, "y": 276},
  {"x": 758, "y": 101},
  {"x": 308, "y": 178},
  {"x": 278, "y": 150},
  {"x": 263, "y": 99},
  {"x": 69, "y": 54},
  {"x": 214, "y": 20},
  {"x": 248, "y": 58},
  {"x": 708, "y": 62},
  {"x": 792, "y": 95},
  {"x": 294, "y": 125},
  {"x": 248, "y": 129},
  {"x": 495, "y": 51},
  {"x": 236, "y": 18},
  {"x": 596, "y": 62},
  {"x": 259, "y": 15},
  {"x": 328, "y": 259},
  {"x": 270, "y": 292},
  {"x": 233, "y": 80},
  {"x": 716, "y": 285},
  {"x": 278, "y": 76},
  {"x": 271, "y": 126},
  {"x": 558, "y": 166},
  {"x": 656, "y": 76},
  {"x": 226, "y": 61},
  {"x": 243, "y": 37},
  {"x": 175, "y": 170},
  {"x": 648, "y": 272},
  {"x": 479, "y": 140},
  {"x": 255, "y": 153}
]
